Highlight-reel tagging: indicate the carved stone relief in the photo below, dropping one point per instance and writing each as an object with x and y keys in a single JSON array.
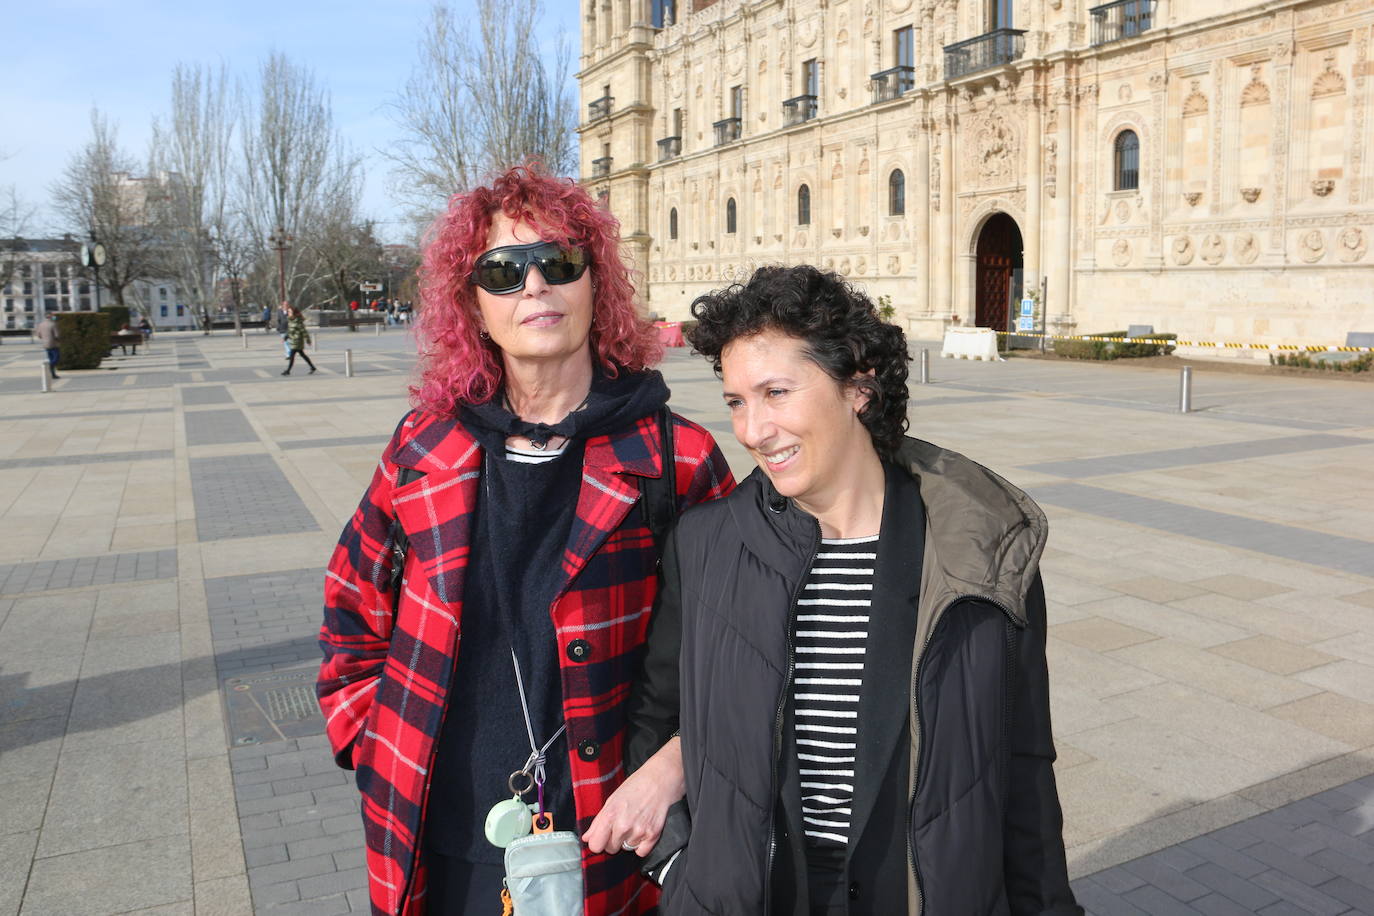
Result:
[
  {"x": 1183, "y": 250},
  {"x": 1323, "y": 186},
  {"x": 1329, "y": 81},
  {"x": 1350, "y": 244},
  {"x": 1121, "y": 253},
  {"x": 995, "y": 150},
  {"x": 1195, "y": 103},
  {"x": 1256, "y": 92},
  {"x": 1213, "y": 249},
  {"x": 1250, "y": 195},
  {"x": 1051, "y": 166},
  {"x": 1246, "y": 248},
  {"x": 1312, "y": 246},
  {"x": 1192, "y": 197},
  {"x": 894, "y": 264},
  {"x": 1123, "y": 211}
]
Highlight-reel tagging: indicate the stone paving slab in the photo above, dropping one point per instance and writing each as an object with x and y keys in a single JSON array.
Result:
[
  {"x": 84, "y": 572},
  {"x": 245, "y": 496}
]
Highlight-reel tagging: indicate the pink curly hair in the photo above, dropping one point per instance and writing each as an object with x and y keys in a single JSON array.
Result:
[{"x": 457, "y": 365}]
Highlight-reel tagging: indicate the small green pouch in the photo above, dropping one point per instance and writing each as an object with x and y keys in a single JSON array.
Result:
[{"x": 544, "y": 874}]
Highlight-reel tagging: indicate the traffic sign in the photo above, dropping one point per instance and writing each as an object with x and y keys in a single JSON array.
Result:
[
  {"x": 1027, "y": 308},
  {"x": 1025, "y": 324},
  {"x": 370, "y": 287}
]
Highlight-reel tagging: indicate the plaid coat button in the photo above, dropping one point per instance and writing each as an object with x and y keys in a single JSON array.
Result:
[
  {"x": 588, "y": 749},
  {"x": 579, "y": 650}
]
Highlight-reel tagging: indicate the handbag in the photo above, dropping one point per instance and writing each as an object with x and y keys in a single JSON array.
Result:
[{"x": 544, "y": 874}]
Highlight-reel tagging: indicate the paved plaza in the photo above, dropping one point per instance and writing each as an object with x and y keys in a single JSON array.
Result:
[{"x": 167, "y": 519}]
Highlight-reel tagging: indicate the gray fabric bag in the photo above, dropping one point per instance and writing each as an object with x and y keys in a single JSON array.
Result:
[{"x": 544, "y": 874}]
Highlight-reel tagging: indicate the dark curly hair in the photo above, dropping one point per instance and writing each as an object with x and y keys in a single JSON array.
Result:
[{"x": 841, "y": 328}]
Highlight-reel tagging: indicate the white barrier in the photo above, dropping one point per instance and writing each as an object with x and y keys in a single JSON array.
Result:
[{"x": 970, "y": 343}]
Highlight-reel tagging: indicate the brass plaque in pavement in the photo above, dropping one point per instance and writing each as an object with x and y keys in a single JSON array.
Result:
[{"x": 272, "y": 706}]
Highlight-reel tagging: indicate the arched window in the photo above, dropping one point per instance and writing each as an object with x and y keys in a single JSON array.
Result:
[
  {"x": 1127, "y": 161},
  {"x": 896, "y": 193},
  {"x": 730, "y": 216},
  {"x": 672, "y": 224},
  {"x": 803, "y": 206}
]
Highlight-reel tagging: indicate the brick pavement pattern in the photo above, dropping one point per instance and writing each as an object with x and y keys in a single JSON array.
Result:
[
  {"x": 1211, "y": 623},
  {"x": 245, "y": 496}
]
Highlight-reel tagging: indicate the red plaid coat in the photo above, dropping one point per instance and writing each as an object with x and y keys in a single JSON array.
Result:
[{"x": 387, "y": 666}]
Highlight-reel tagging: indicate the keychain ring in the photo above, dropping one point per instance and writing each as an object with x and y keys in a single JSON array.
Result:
[{"x": 529, "y": 784}]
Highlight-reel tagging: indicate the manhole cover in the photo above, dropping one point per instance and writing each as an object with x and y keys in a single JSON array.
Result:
[{"x": 272, "y": 707}]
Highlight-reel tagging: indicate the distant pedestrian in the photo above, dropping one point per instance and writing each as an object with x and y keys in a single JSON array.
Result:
[
  {"x": 296, "y": 339},
  {"x": 266, "y": 318},
  {"x": 46, "y": 335},
  {"x": 145, "y": 329}
]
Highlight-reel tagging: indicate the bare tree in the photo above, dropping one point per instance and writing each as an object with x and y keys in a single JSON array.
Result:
[
  {"x": 191, "y": 152},
  {"x": 99, "y": 193},
  {"x": 15, "y": 218},
  {"x": 292, "y": 168},
  {"x": 471, "y": 108}
]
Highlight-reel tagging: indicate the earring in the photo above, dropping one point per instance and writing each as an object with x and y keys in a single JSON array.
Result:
[{"x": 483, "y": 334}]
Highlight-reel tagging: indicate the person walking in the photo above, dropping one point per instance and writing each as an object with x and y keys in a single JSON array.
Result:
[
  {"x": 46, "y": 335},
  {"x": 846, "y": 662},
  {"x": 494, "y": 656},
  {"x": 296, "y": 339}
]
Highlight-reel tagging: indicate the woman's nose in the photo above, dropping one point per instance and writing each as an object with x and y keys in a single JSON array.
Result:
[{"x": 534, "y": 281}]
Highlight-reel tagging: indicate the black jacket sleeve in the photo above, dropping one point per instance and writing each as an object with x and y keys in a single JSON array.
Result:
[
  {"x": 653, "y": 705},
  {"x": 1036, "y": 872}
]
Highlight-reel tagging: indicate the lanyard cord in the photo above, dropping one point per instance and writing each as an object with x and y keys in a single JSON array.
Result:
[{"x": 537, "y": 753}]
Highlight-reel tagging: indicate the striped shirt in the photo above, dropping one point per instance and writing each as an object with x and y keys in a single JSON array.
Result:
[
  {"x": 532, "y": 456},
  {"x": 831, "y": 633}
]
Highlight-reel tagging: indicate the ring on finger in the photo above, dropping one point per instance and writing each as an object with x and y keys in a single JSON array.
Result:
[{"x": 628, "y": 846}]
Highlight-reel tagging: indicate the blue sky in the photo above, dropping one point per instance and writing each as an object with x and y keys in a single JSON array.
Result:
[{"x": 63, "y": 57}]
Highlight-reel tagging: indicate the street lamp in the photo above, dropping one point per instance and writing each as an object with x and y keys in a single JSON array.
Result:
[{"x": 280, "y": 241}]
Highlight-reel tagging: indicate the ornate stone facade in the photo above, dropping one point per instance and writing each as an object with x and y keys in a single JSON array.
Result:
[{"x": 1245, "y": 215}]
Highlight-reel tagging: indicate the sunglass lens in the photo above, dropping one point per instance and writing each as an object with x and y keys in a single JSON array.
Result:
[
  {"x": 563, "y": 266},
  {"x": 502, "y": 272}
]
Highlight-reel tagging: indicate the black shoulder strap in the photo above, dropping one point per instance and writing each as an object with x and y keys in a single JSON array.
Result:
[
  {"x": 399, "y": 542},
  {"x": 659, "y": 494}
]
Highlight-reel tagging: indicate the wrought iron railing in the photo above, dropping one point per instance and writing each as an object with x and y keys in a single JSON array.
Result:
[
  {"x": 601, "y": 167},
  {"x": 669, "y": 148},
  {"x": 727, "y": 130},
  {"x": 891, "y": 83},
  {"x": 799, "y": 109},
  {"x": 1000, "y": 46},
  {"x": 601, "y": 108},
  {"x": 1121, "y": 19}
]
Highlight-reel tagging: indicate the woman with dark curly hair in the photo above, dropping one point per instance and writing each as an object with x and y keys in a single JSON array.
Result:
[
  {"x": 529, "y": 486},
  {"x": 849, "y": 649}
]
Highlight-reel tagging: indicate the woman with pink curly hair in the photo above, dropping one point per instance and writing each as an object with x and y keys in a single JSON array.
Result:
[{"x": 486, "y": 606}]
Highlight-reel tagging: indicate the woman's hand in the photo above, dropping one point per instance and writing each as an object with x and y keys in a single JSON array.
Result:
[{"x": 633, "y": 816}]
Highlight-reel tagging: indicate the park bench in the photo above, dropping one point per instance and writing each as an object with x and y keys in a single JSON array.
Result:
[{"x": 126, "y": 340}]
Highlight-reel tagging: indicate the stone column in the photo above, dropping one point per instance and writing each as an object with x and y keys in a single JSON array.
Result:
[
  {"x": 920, "y": 199},
  {"x": 1035, "y": 183},
  {"x": 1060, "y": 304},
  {"x": 942, "y": 268}
]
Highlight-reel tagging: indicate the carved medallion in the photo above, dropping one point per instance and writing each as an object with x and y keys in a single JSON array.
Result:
[
  {"x": 1121, "y": 253},
  {"x": 861, "y": 266},
  {"x": 1123, "y": 211},
  {"x": 894, "y": 264},
  {"x": 1323, "y": 186},
  {"x": 844, "y": 267},
  {"x": 1183, "y": 250},
  {"x": 1312, "y": 246},
  {"x": 1192, "y": 197},
  {"x": 1246, "y": 248},
  {"x": 1250, "y": 195},
  {"x": 1213, "y": 249},
  {"x": 1350, "y": 244},
  {"x": 1123, "y": 94}
]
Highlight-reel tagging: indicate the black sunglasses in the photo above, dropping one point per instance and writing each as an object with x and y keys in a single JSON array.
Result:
[{"x": 502, "y": 270}]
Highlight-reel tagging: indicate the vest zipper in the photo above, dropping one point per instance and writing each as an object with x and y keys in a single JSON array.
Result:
[
  {"x": 920, "y": 734},
  {"x": 778, "y": 719}
]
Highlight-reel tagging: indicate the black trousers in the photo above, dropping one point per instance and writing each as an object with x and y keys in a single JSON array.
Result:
[
  {"x": 291, "y": 360},
  {"x": 458, "y": 888}
]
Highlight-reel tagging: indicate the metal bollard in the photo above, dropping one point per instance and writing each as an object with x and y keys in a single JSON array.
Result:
[
  {"x": 1185, "y": 390},
  {"x": 925, "y": 367},
  {"x": 46, "y": 384},
  {"x": 245, "y": 341},
  {"x": 377, "y": 329},
  {"x": 348, "y": 363}
]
